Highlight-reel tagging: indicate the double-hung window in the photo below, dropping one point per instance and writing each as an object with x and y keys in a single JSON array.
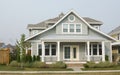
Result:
[
  {"x": 65, "y": 28},
  {"x": 78, "y": 28},
  {"x": 39, "y": 49},
  {"x": 50, "y": 49},
  {"x": 53, "y": 49},
  {"x": 47, "y": 49},
  {"x": 95, "y": 49},
  {"x": 71, "y": 27}
]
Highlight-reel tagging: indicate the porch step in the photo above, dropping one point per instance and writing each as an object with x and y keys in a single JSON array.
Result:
[{"x": 75, "y": 65}]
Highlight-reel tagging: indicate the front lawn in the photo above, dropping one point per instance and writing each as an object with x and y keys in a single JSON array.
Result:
[{"x": 10, "y": 68}]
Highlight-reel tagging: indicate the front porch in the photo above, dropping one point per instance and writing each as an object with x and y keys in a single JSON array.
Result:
[{"x": 78, "y": 52}]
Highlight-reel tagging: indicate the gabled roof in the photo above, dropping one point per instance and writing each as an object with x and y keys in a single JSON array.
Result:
[
  {"x": 72, "y": 11},
  {"x": 115, "y": 31},
  {"x": 92, "y": 21},
  {"x": 44, "y": 24}
]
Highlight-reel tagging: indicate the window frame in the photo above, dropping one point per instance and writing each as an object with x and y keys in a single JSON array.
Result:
[
  {"x": 50, "y": 49},
  {"x": 70, "y": 19},
  {"x": 74, "y": 28},
  {"x": 98, "y": 49}
]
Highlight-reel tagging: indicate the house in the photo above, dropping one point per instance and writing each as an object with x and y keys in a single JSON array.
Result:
[
  {"x": 115, "y": 33},
  {"x": 70, "y": 38}
]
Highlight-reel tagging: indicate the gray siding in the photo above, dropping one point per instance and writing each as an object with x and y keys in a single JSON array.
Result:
[
  {"x": 108, "y": 50},
  {"x": 34, "y": 49},
  {"x": 82, "y": 54},
  {"x": 77, "y": 20}
]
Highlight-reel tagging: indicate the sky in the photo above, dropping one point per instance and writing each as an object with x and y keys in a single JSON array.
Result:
[{"x": 15, "y": 15}]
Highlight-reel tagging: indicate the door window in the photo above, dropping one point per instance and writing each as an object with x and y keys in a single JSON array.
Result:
[{"x": 67, "y": 52}]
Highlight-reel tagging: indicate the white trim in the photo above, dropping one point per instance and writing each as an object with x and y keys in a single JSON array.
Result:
[
  {"x": 72, "y": 11},
  {"x": 88, "y": 49},
  {"x": 74, "y": 28},
  {"x": 103, "y": 51},
  {"x": 58, "y": 50},
  {"x": 43, "y": 51},
  {"x": 110, "y": 52},
  {"x": 31, "y": 50}
]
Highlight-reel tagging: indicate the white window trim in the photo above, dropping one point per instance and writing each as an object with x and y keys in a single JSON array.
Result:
[{"x": 74, "y": 28}]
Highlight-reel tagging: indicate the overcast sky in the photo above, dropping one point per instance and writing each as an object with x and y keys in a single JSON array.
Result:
[{"x": 15, "y": 15}]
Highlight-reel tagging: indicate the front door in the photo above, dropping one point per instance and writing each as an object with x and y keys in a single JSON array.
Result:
[{"x": 71, "y": 52}]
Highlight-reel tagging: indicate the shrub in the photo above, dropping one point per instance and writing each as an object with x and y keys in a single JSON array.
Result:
[
  {"x": 38, "y": 64},
  {"x": 38, "y": 58},
  {"x": 14, "y": 64},
  {"x": 99, "y": 65},
  {"x": 29, "y": 58},
  {"x": 90, "y": 64},
  {"x": 58, "y": 64},
  {"x": 34, "y": 58},
  {"x": 106, "y": 57},
  {"x": 27, "y": 64}
]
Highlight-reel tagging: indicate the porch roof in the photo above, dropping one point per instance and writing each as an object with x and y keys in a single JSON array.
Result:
[{"x": 72, "y": 38}]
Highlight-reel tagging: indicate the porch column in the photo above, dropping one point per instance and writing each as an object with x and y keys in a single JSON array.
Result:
[
  {"x": 88, "y": 51},
  {"x": 103, "y": 51},
  {"x": 58, "y": 50},
  {"x": 43, "y": 51}
]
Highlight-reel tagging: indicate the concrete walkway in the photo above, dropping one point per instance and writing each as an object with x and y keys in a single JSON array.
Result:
[{"x": 44, "y": 72}]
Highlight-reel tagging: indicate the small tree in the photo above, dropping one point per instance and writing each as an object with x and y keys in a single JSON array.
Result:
[{"x": 22, "y": 45}]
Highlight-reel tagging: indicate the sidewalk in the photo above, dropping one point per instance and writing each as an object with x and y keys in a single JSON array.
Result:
[{"x": 1, "y": 72}]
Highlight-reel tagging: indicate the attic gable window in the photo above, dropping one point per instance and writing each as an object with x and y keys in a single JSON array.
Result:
[{"x": 71, "y": 28}]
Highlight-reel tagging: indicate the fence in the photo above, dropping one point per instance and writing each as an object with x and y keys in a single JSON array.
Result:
[{"x": 4, "y": 56}]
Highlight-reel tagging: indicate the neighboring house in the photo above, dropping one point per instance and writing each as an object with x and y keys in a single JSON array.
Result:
[
  {"x": 116, "y": 45},
  {"x": 2, "y": 45},
  {"x": 70, "y": 38},
  {"x": 11, "y": 47}
]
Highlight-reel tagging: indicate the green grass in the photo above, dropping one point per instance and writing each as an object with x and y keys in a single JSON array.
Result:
[{"x": 9, "y": 68}]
